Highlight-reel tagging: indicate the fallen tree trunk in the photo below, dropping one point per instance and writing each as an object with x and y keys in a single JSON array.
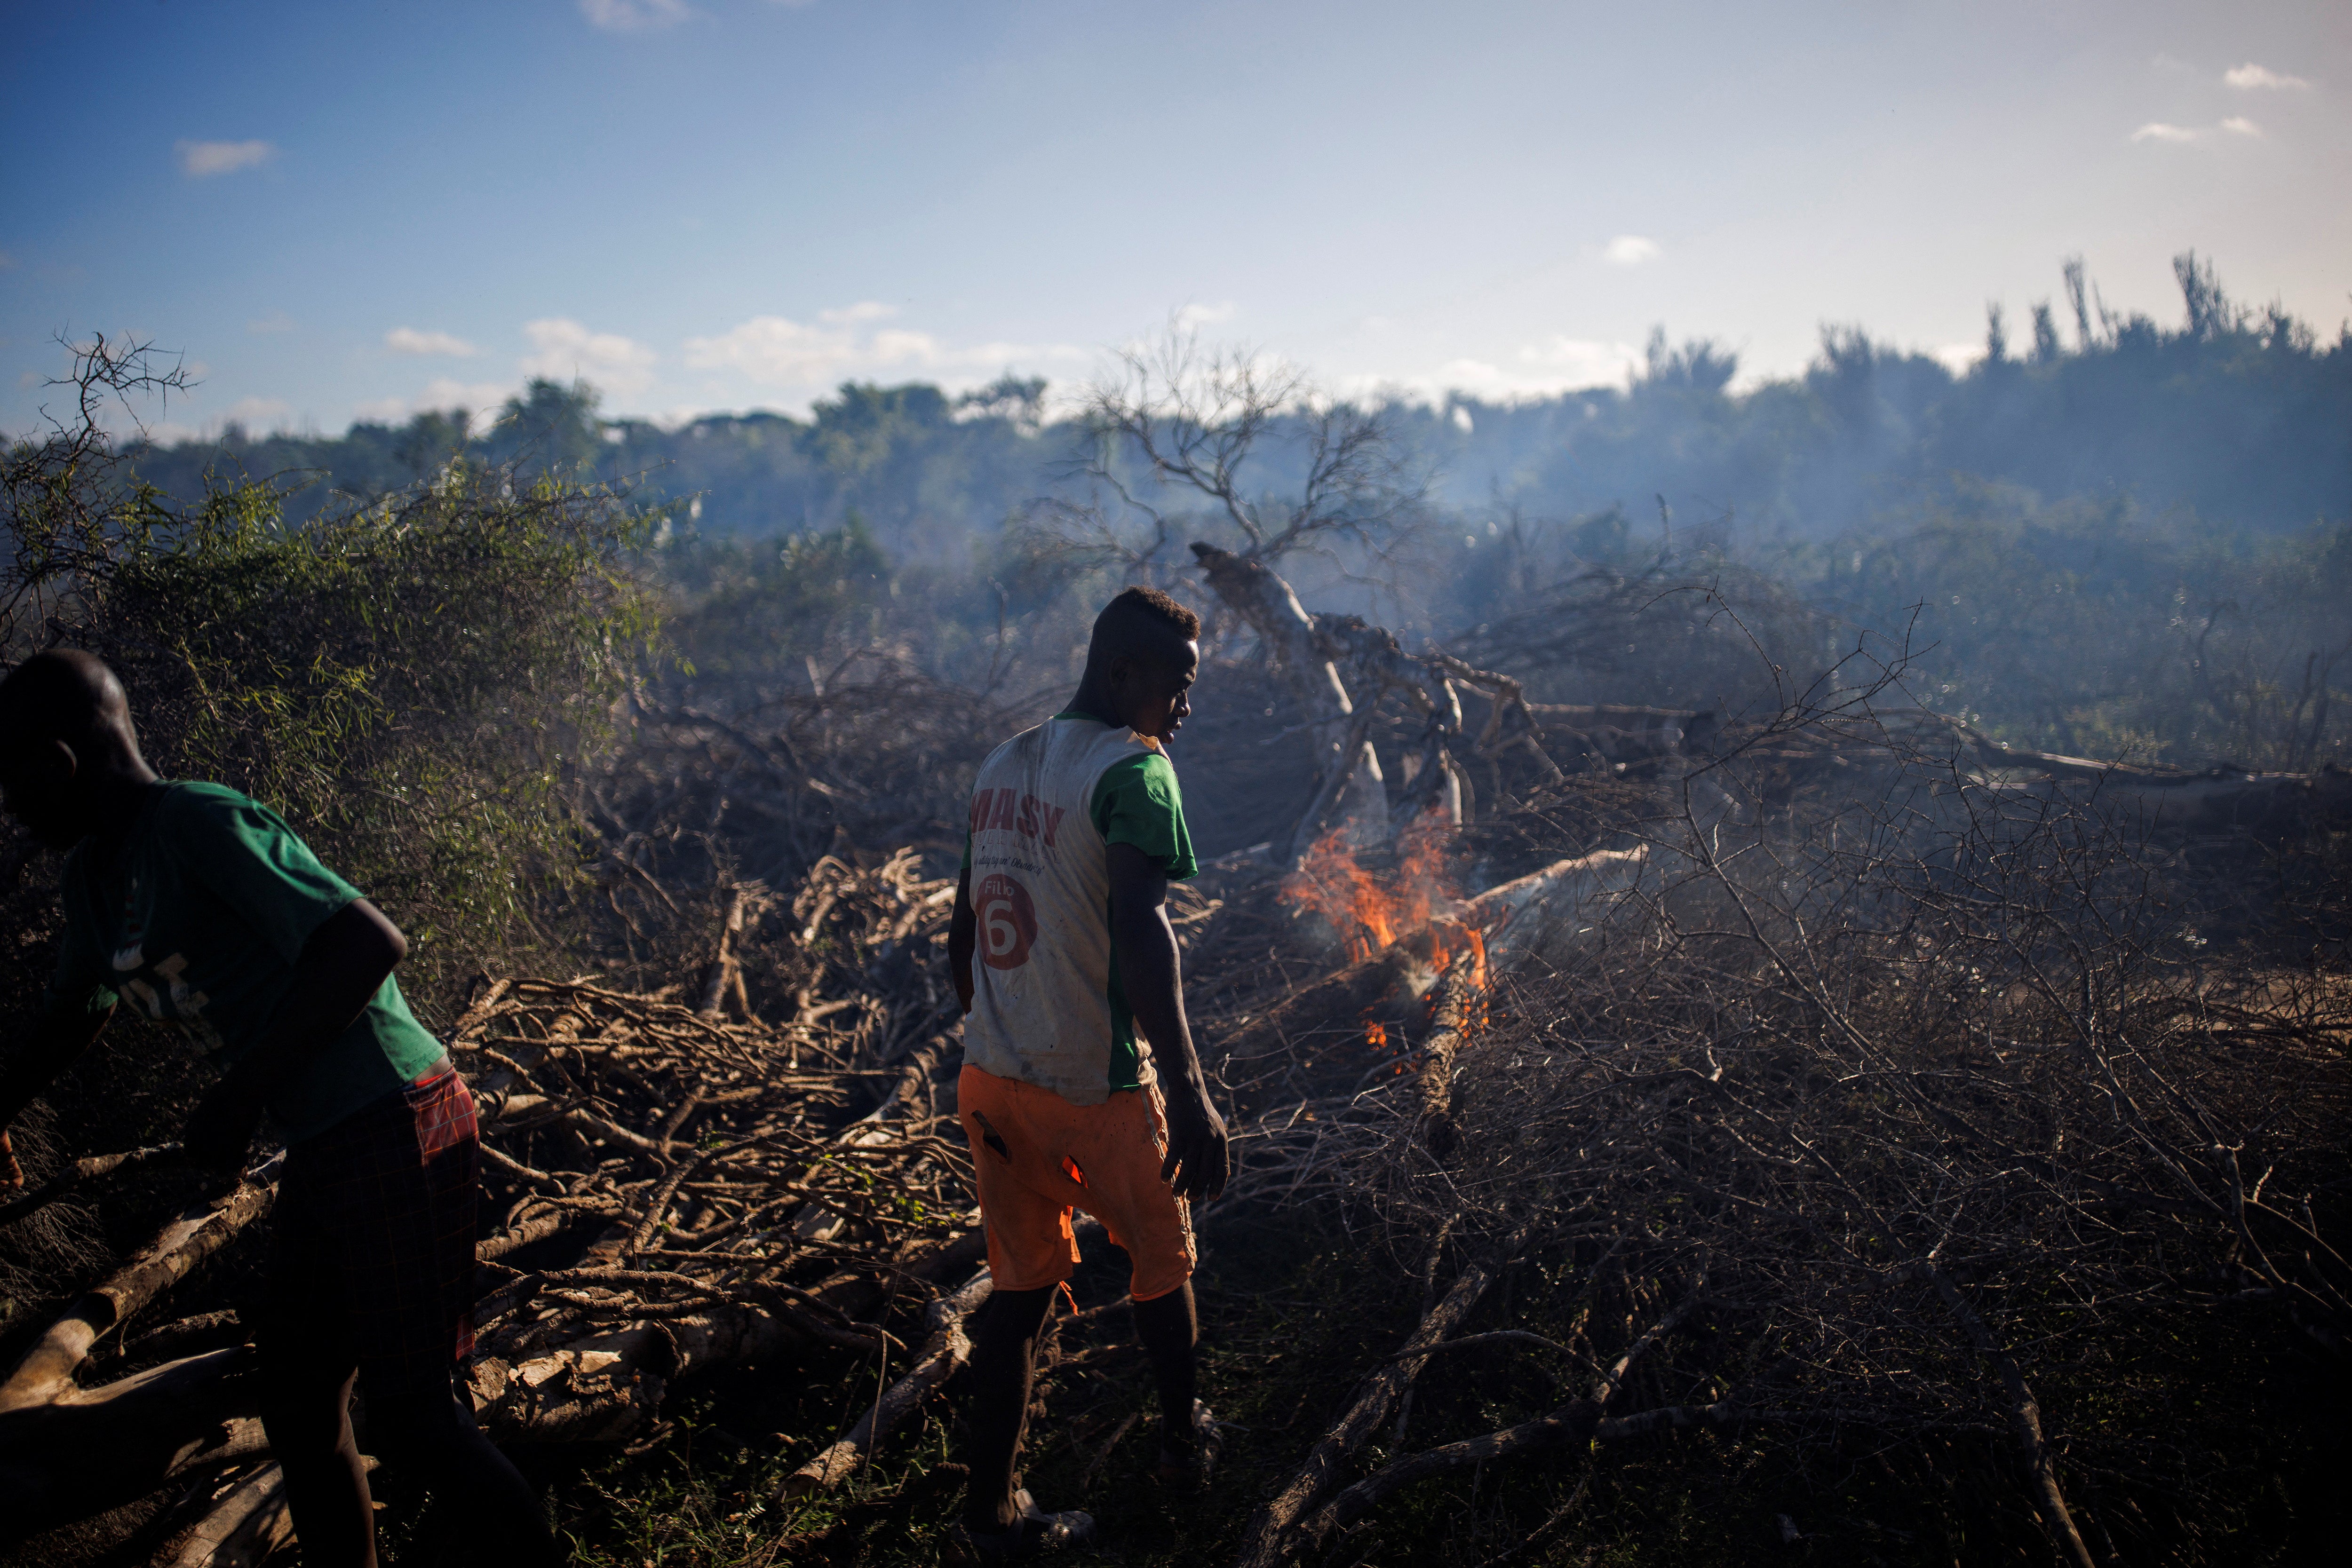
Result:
[
  {"x": 66, "y": 1451},
  {"x": 243, "y": 1528},
  {"x": 1457, "y": 996}
]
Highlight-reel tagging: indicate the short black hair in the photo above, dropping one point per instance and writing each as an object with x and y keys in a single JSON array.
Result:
[
  {"x": 1141, "y": 620},
  {"x": 61, "y": 694}
]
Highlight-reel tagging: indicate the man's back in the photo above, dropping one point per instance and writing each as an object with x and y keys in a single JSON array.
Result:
[
  {"x": 197, "y": 910},
  {"x": 1047, "y": 1005}
]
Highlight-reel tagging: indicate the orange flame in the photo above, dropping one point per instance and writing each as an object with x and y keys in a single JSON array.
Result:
[
  {"x": 1331, "y": 883},
  {"x": 1371, "y": 917}
]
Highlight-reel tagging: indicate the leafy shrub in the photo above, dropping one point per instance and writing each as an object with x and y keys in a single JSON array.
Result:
[{"x": 407, "y": 680}]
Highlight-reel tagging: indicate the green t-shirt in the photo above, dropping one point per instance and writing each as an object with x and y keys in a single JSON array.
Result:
[{"x": 197, "y": 915}]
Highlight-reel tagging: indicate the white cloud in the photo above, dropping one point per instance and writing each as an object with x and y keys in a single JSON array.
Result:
[
  {"x": 1958, "y": 357},
  {"x": 899, "y": 346},
  {"x": 1543, "y": 368},
  {"x": 2158, "y": 130},
  {"x": 2250, "y": 77},
  {"x": 202, "y": 159},
  {"x": 1579, "y": 362},
  {"x": 276, "y": 321},
  {"x": 258, "y": 415},
  {"x": 1192, "y": 317},
  {"x": 777, "y": 352},
  {"x": 773, "y": 350},
  {"x": 567, "y": 350},
  {"x": 1630, "y": 250},
  {"x": 634, "y": 15},
  {"x": 409, "y": 341}
]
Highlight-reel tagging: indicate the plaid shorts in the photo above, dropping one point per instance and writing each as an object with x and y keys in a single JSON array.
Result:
[{"x": 372, "y": 1243}]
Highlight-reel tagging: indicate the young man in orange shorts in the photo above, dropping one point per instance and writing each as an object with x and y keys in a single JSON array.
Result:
[{"x": 1063, "y": 955}]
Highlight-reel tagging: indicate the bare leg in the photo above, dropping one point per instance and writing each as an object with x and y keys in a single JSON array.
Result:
[
  {"x": 491, "y": 1509},
  {"x": 1004, "y": 1373},
  {"x": 306, "y": 1410},
  {"x": 1169, "y": 1327}
]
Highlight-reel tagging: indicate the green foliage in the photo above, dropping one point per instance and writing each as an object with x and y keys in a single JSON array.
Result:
[{"x": 409, "y": 682}]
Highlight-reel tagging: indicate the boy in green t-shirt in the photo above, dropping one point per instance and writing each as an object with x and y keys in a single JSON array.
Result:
[{"x": 204, "y": 908}]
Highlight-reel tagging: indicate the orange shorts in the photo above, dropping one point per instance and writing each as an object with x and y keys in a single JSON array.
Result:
[{"x": 1037, "y": 1157}]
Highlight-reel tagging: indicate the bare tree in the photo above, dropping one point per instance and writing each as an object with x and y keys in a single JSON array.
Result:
[
  {"x": 62, "y": 490},
  {"x": 1182, "y": 436}
]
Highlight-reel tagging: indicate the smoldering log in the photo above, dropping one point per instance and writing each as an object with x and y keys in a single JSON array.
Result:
[
  {"x": 1342, "y": 995},
  {"x": 1450, "y": 1021}
]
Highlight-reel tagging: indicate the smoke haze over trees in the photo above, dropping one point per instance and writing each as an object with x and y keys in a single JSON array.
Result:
[
  {"x": 2242, "y": 417},
  {"x": 2106, "y": 535}
]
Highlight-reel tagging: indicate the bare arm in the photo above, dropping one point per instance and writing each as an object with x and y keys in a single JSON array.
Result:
[
  {"x": 341, "y": 965},
  {"x": 1151, "y": 972},
  {"x": 963, "y": 940},
  {"x": 59, "y": 1044}
]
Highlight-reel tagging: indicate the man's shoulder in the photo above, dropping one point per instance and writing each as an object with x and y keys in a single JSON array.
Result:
[
  {"x": 1146, "y": 768},
  {"x": 1014, "y": 744},
  {"x": 1063, "y": 740},
  {"x": 196, "y": 817},
  {"x": 194, "y": 797}
]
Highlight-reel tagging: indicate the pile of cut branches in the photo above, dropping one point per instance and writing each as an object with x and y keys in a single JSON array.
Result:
[{"x": 674, "y": 1190}]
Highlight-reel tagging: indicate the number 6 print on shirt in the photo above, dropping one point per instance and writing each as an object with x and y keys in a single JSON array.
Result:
[{"x": 1008, "y": 921}]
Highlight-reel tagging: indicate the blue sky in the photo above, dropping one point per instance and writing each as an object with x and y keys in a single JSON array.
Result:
[{"x": 362, "y": 209}]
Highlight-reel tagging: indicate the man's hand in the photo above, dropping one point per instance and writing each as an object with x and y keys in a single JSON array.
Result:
[
  {"x": 220, "y": 1132},
  {"x": 54, "y": 1048},
  {"x": 1151, "y": 970},
  {"x": 1199, "y": 1160}
]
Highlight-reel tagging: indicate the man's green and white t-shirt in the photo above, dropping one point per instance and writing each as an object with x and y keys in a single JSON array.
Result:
[
  {"x": 197, "y": 913},
  {"x": 1048, "y": 804}
]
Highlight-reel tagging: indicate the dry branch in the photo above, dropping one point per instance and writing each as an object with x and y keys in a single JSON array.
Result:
[
  {"x": 942, "y": 1354},
  {"x": 67, "y": 1451},
  {"x": 1266, "y": 1542},
  {"x": 84, "y": 1170}
]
